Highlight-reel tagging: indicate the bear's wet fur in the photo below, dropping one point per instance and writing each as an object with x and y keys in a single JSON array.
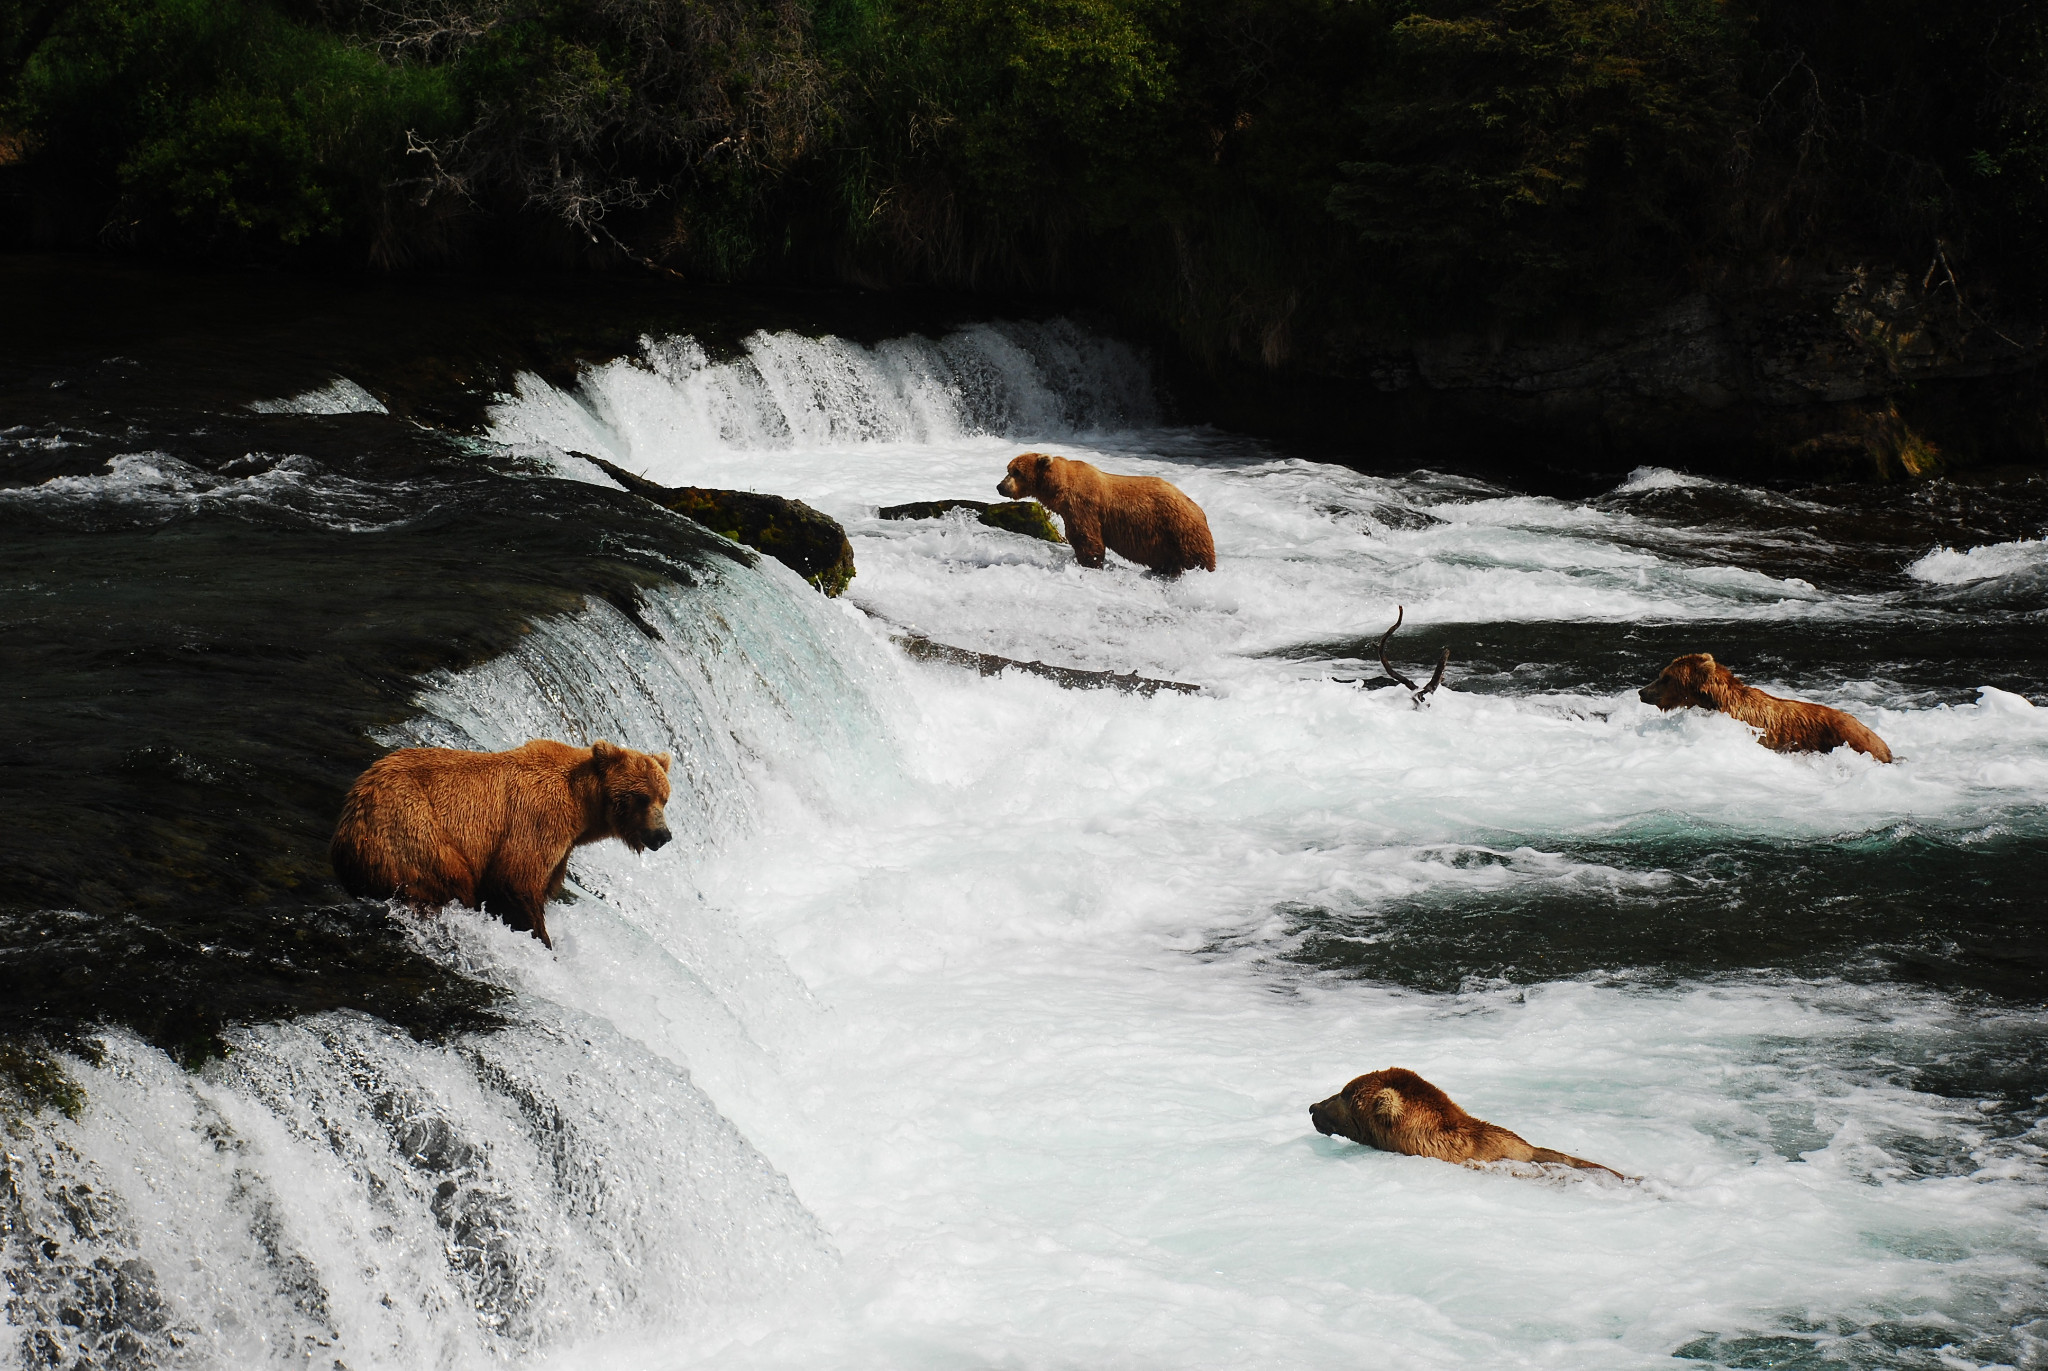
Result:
[
  {"x": 1139, "y": 517},
  {"x": 1696, "y": 679},
  {"x": 1397, "y": 1111},
  {"x": 493, "y": 830}
]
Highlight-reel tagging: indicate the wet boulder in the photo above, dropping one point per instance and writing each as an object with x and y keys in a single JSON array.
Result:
[
  {"x": 811, "y": 544},
  {"x": 1027, "y": 517}
]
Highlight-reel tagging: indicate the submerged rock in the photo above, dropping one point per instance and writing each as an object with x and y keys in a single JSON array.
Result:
[
  {"x": 923, "y": 649},
  {"x": 1027, "y": 517},
  {"x": 811, "y": 544}
]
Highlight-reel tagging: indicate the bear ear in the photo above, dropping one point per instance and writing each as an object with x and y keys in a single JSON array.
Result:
[
  {"x": 1387, "y": 1103},
  {"x": 1044, "y": 463},
  {"x": 663, "y": 758},
  {"x": 603, "y": 752}
]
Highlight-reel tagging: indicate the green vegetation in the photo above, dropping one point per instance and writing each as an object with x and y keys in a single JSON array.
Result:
[
  {"x": 1531, "y": 146},
  {"x": 212, "y": 125},
  {"x": 1229, "y": 170}
]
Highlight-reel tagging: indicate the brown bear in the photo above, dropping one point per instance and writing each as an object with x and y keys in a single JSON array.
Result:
[
  {"x": 1139, "y": 517},
  {"x": 1788, "y": 725},
  {"x": 493, "y": 829},
  {"x": 1397, "y": 1111}
]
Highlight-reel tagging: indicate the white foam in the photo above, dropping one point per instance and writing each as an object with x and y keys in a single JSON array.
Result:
[
  {"x": 339, "y": 396},
  {"x": 1948, "y": 567},
  {"x": 1308, "y": 552},
  {"x": 1661, "y": 478},
  {"x": 988, "y": 1021},
  {"x": 155, "y": 485},
  {"x": 1009, "y": 1027},
  {"x": 786, "y": 390},
  {"x": 337, "y": 1192},
  {"x": 984, "y": 968}
]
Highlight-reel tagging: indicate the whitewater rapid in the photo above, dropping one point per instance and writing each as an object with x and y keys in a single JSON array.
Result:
[
  {"x": 960, "y": 1027},
  {"x": 1046, "y": 1091}
]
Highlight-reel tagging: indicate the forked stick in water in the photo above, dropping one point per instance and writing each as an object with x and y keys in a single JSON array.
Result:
[
  {"x": 1421, "y": 693},
  {"x": 1386, "y": 665}
]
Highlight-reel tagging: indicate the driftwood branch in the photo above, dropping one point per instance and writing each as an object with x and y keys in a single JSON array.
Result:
[
  {"x": 1420, "y": 694},
  {"x": 1399, "y": 612}
]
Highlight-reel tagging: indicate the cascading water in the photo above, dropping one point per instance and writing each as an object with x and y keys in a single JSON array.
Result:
[
  {"x": 975, "y": 1021},
  {"x": 791, "y": 392},
  {"x": 336, "y": 1192}
]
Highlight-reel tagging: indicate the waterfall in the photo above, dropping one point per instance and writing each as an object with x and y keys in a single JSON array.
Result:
[
  {"x": 970, "y": 1021},
  {"x": 673, "y": 401},
  {"x": 336, "y": 1193}
]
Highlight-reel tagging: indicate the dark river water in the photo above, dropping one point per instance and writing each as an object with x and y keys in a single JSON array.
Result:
[{"x": 974, "y": 1021}]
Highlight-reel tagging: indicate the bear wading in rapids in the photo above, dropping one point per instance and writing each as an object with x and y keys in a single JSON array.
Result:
[
  {"x": 1139, "y": 517},
  {"x": 493, "y": 830},
  {"x": 1696, "y": 679},
  {"x": 1397, "y": 1111}
]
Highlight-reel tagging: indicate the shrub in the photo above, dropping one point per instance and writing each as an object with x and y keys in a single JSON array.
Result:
[
  {"x": 1525, "y": 152},
  {"x": 218, "y": 124}
]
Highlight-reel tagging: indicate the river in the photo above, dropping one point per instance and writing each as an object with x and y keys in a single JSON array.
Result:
[{"x": 973, "y": 1021}]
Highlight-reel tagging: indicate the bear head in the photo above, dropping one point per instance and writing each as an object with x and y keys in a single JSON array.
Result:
[
  {"x": 635, "y": 794},
  {"x": 1030, "y": 477},
  {"x": 1333, "y": 1115},
  {"x": 1377, "y": 1108},
  {"x": 1365, "y": 1110},
  {"x": 1694, "y": 679}
]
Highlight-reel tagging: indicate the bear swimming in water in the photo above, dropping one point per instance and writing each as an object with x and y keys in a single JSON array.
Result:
[
  {"x": 1139, "y": 517},
  {"x": 1397, "y": 1111},
  {"x": 493, "y": 829},
  {"x": 1788, "y": 725}
]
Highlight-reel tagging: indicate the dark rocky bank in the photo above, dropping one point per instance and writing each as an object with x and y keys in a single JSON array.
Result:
[{"x": 1862, "y": 373}]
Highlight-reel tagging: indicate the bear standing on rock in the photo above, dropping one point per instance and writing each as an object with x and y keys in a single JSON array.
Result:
[
  {"x": 1139, "y": 517},
  {"x": 493, "y": 829}
]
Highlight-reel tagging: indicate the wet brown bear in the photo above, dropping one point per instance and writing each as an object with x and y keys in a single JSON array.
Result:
[
  {"x": 1788, "y": 725},
  {"x": 1397, "y": 1111},
  {"x": 1139, "y": 517},
  {"x": 493, "y": 829}
]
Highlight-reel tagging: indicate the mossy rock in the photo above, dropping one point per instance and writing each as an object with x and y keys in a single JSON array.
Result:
[
  {"x": 931, "y": 509},
  {"x": 811, "y": 544},
  {"x": 32, "y": 1080},
  {"x": 1027, "y": 517}
]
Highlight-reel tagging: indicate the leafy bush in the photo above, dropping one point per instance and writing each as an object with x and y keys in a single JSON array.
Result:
[
  {"x": 1533, "y": 150},
  {"x": 582, "y": 109},
  {"x": 1235, "y": 172},
  {"x": 218, "y": 124}
]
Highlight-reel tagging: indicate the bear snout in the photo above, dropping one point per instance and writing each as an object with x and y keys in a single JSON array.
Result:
[
  {"x": 1007, "y": 487},
  {"x": 1319, "y": 1115},
  {"x": 1649, "y": 694},
  {"x": 658, "y": 838}
]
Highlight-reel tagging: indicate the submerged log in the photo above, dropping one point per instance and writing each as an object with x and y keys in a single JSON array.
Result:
[
  {"x": 811, "y": 544},
  {"x": 1072, "y": 678},
  {"x": 1027, "y": 517}
]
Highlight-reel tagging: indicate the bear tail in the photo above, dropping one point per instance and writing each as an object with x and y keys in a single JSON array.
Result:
[{"x": 1545, "y": 1154}]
